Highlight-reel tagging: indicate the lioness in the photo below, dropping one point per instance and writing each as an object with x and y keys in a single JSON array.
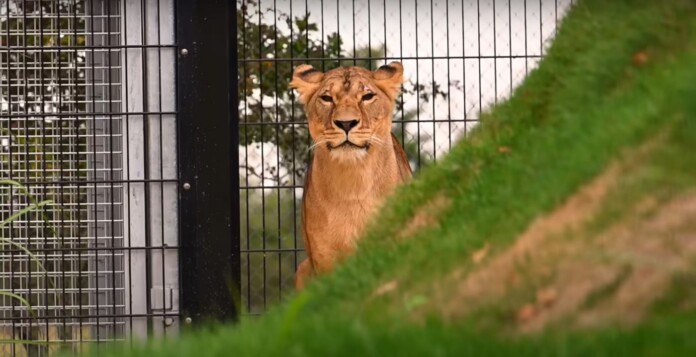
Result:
[{"x": 356, "y": 160}]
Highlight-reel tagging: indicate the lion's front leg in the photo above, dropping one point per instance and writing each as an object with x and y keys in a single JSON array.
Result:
[{"x": 304, "y": 272}]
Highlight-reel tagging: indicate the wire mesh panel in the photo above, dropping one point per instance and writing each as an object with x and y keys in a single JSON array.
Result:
[
  {"x": 460, "y": 57},
  {"x": 88, "y": 198}
]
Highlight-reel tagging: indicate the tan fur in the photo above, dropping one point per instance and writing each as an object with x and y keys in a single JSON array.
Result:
[{"x": 345, "y": 184}]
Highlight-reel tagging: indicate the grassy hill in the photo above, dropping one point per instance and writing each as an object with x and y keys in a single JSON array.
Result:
[{"x": 564, "y": 225}]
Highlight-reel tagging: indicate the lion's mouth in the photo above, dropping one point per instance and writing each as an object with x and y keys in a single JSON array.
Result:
[{"x": 348, "y": 145}]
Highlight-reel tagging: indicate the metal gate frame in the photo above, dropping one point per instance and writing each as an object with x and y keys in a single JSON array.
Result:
[{"x": 208, "y": 160}]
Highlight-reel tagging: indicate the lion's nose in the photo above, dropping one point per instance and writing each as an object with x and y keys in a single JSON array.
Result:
[{"x": 346, "y": 125}]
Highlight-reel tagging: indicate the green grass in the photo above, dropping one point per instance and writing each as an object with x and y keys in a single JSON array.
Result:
[{"x": 581, "y": 109}]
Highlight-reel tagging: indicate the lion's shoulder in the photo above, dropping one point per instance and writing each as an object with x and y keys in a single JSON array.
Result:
[{"x": 401, "y": 159}]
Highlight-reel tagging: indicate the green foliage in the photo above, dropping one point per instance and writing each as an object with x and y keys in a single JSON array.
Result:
[
  {"x": 41, "y": 338},
  {"x": 33, "y": 207}
]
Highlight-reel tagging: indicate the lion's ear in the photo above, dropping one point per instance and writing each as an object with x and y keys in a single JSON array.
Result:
[
  {"x": 389, "y": 78},
  {"x": 306, "y": 80}
]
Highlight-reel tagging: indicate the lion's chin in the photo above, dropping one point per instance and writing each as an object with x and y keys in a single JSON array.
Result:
[{"x": 348, "y": 153}]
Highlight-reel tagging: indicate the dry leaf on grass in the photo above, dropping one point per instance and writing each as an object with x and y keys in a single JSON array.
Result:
[
  {"x": 546, "y": 297},
  {"x": 526, "y": 313},
  {"x": 385, "y": 288},
  {"x": 640, "y": 58},
  {"x": 479, "y": 255}
]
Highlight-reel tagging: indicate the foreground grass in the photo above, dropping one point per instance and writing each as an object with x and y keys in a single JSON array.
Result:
[{"x": 618, "y": 74}]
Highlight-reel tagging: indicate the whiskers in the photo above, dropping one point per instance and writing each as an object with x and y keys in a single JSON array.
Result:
[
  {"x": 323, "y": 141},
  {"x": 373, "y": 140},
  {"x": 376, "y": 140}
]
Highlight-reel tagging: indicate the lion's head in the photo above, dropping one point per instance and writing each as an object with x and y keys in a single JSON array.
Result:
[{"x": 349, "y": 109}]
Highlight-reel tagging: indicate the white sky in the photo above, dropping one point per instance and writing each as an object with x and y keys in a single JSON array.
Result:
[{"x": 440, "y": 29}]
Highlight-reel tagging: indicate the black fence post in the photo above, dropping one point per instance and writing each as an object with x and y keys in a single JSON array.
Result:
[{"x": 208, "y": 160}]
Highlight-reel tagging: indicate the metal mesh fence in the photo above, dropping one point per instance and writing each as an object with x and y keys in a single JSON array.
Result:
[
  {"x": 88, "y": 170},
  {"x": 460, "y": 57}
]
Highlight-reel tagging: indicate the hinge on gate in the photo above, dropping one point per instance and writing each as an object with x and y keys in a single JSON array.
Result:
[{"x": 164, "y": 299}]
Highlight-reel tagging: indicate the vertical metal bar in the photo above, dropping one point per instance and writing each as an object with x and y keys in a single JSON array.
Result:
[
  {"x": 510, "y": 40},
  {"x": 277, "y": 140},
  {"x": 401, "y": 58},
  {"x": 62, "y": 178},
  {"x": 161, "y": 164},
  {"x": 526, "y": 56},
  {"x": 246, "y": 155},
  {"x": 294, "y": 130},
  {"x": 308, "y": 138},
  {"x": 208, "y": 124},
  {"x": 369, "y": 35},
  {"x": 541, "y": 30},
  {"x": 555, "y": 15},
  {"x": 126, "y": 109},
  {"x": 42, "y": 222},
  {"x": 355, "y": 61},
  {"x": 432, "y": 73},
  {"x": 386, "y": 54},
  {"x": 146, "y": 165},
  {"x": 338, "y": 28},
  {"x": 111, "y": 167},
  {"x": 79, "y": 164},
  {"x": 323, "y": 55},
  {"x": 178, "y": 151},
  {"x": 263, "y": 163},
  {"x": 495, "y": 56},
  {"x": 28, "y": 153},
  {"x": 449, "y": 84},
  {"x": 478, "y": 41},
  {"x": 464, "y": 68},
  {"x": 10, "y": 145},
  {"x": 418, "y": 136},
  {"x": 94, "y": 171}
]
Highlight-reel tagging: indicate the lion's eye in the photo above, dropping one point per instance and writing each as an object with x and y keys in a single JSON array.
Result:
[
  {"x": 326, "y": 98},
  {"x": 368, "y": 96}
]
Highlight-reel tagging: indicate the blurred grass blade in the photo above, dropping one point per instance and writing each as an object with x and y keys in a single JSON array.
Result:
[
  {"x": 25, "y": 250},
  {"x": 25, "y": 191},
  {"x": 21, "y": 299},
  {"x": 24, "y": 211},
  {"x": 20, "y": 246},
  {"x": 21, "y": 187}
]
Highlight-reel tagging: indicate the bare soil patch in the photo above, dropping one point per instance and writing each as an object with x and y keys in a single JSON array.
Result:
[
  {"x": 426, "y": 216},
  {"x": 501, "y": 273},
  {"x": 558, "y": 270}
]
